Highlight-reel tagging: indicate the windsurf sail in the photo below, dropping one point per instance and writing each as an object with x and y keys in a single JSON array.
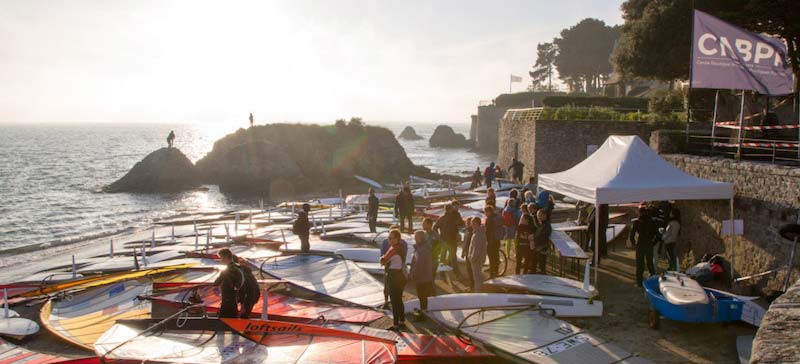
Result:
[
  {"x": 532, "y": 335},
  {"x": 82, "y": 317},
  {"x": 284, "y": 307},
  {"x": 12, "y": 354},
  {"x": 329, "y": 276},
  {"x": 250, "y": 341}
]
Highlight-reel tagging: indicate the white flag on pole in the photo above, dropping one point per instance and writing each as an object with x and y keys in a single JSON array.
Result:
[{"x": 516, "y": 78}]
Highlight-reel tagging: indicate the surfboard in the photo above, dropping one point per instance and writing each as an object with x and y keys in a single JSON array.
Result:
[
  {"x": 543, "y": 284},
  {"x": 680, "y": 289},
  {"x": 17, "y": 327},
  {"x": 563, "y": 306}
]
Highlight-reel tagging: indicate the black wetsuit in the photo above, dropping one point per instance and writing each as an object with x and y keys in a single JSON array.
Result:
[{"x": 229, "y": 282}]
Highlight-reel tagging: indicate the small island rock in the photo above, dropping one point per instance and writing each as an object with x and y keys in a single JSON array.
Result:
[
  {"x": 445, "y": 137},
  {"x": 409, "y": 134},
  {"x": 164, "y": 170}
]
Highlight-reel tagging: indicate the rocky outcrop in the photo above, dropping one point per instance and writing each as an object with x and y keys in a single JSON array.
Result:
[
  {"x": 284, "y": 159},
  {"x": 445, "y": 137},
  {"x": 409, "y": 134},
  {"x": 165, "y": 170},
  {"x": 255, "y": 167}
]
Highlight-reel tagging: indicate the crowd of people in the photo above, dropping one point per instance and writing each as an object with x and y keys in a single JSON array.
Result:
[{"x": 522, "y": 226}]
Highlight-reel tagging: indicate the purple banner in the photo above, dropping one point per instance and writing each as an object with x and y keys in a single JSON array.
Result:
[{"x": 725, "y": 56}]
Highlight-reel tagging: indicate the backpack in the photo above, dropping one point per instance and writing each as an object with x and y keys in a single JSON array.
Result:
[{"x": 250, "y": 292}]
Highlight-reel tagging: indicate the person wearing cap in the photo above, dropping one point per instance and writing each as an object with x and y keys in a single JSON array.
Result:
[
  {"x": 302, "y": 227},
  {"x": 404, "y": 208},
  {"x": 642, "y": 236}
]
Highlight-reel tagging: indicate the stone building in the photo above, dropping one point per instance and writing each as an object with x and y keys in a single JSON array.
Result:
[
  {"x": 547, "y": 146},
  {"x": 489, "y": 116}
]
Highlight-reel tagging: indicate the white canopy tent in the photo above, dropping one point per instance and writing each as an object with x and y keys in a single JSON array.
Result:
[{"x": 625, "y": 170}]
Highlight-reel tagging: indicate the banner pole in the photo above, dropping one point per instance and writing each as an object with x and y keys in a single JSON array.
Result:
[{"x": 714, "y": 122}]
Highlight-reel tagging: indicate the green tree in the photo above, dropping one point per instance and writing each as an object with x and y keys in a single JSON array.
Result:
[
  {"x": 544, "y": 67},
  {"x": 584, "y": 53},
  {"x": 656, "y": 37}
]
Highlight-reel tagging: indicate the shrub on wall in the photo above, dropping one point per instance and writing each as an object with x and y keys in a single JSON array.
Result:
[
  {"x": 672, "y": 120},
  {"x": 638, "y": 103}
]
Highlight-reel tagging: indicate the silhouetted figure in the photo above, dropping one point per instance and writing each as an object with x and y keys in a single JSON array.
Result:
[
  {"x": 516, "y": 169},
  {"x": 301, "y": 228},
  {"x": 251, "y": 120},
  {"x": 170, "y": 138},
  {"x": 476, "y": 179}
]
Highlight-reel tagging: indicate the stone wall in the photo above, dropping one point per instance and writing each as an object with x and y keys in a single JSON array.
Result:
[
  {"x": 487, "y": 129},
  {"x": 766, "y": 197},
  {"x": 547, "y": 146},
  {"x": 778, "y": 338}
]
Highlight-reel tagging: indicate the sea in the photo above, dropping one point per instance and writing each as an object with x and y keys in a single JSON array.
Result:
[{"x": 51, "y": 176}]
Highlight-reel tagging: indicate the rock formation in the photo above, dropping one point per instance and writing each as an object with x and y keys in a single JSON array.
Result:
[
  {"x": 165, "y": 170},
  {"x": 445, "y": 137},
  {"x": 409, "y": 134},
  {"x": 297, "y": 158}
]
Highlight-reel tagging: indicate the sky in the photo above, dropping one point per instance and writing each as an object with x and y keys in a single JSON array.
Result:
[{"x": 166, "y": 61}]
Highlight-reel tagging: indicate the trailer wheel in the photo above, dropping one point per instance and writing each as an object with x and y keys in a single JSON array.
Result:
[{"x": 653, "y": 319}]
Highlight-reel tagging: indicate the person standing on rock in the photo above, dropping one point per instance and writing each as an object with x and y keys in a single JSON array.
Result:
[
  {"x": 230, "y": 281},
  {"x": 301, "y": 228},
  {"x": 251, "y": 120},
  {"x": 372, "y": 211},
  {"x": 170, "y": 138},
  {"x": 516, "y": 168},
  {"x": 404, "y": 208}
]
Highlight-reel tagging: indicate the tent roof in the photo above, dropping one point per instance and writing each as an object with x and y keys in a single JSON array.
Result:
[{"x": 626, "y": 170}]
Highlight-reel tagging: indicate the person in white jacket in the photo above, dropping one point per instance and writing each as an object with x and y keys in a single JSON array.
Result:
[
  {"x": 670, "y": 238},
  {"x": 477, "y": 253}
]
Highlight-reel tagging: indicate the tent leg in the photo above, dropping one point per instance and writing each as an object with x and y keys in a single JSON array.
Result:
[
  {"x": 733, "y": 237},
  {"x": 596, "y": 242}
]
